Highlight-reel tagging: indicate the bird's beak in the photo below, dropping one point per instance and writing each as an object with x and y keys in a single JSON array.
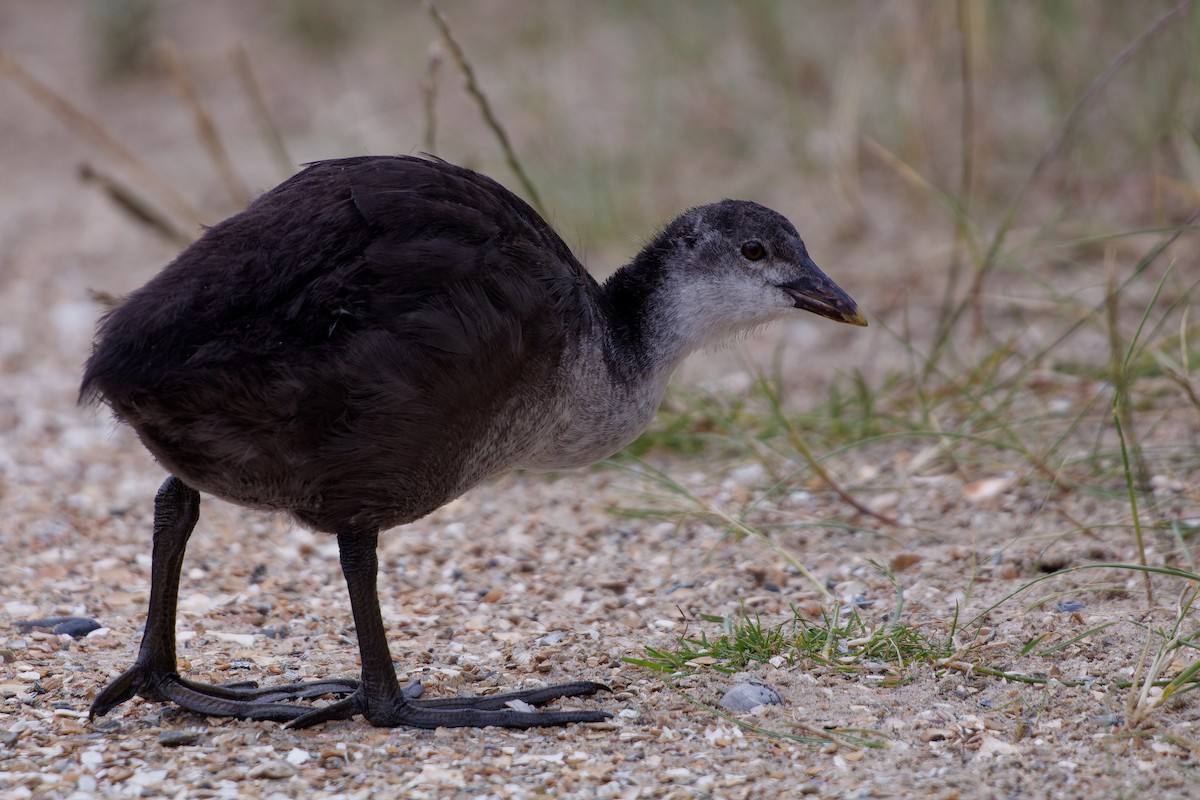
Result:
[{"x": 817, "y": 293}]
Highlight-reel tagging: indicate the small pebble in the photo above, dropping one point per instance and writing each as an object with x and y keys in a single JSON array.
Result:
[
  {"x": 242, "y": 639},
  {"x": 275, "y": 770},
  {"x": 987, "y": 488},
  {"x": 179, "y": 738},
  {"x": 746, "y": 696},
  {"x": 902, "y": 561},
  {"x": 520, "y": 705},
  {"x": 296, "y": 756},
  {"x": 748, "y": 475},
  {"x": 678, "y": 775},
  {"x": 75, "y": 627},
  {"x": 19, "y": 608}
]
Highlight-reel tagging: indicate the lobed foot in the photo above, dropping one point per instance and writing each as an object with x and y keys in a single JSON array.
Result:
[
  {"x": 249, "y": 701},
  {"x": 460, "y": 712},
  {"x": 240, "y": 700},
  {"x": 378, "y": 697}
]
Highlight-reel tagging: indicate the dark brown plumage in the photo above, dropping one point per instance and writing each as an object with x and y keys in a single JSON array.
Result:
[{"x": 376, "y": 335}]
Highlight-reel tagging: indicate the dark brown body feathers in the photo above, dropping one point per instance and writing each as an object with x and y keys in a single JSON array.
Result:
[{"x": 314, "y": 353}]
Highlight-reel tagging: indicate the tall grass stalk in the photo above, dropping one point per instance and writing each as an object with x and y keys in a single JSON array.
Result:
[
  {"x": 485, "y": 106},
  {"x": 206, "y": 128},
  {"x": 991, "y": 256},
  {"x": 88, "y": 128},
  {"x": 801, "y": 447},
  {"x": 268, "y": 127},
  {"x": 1133, "y": 507}
]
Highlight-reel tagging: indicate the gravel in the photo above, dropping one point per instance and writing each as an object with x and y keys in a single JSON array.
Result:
[{"x": 531, "y": 579}]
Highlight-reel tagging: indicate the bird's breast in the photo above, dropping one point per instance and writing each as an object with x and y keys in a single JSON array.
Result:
[{"x": 594, "y": 415}]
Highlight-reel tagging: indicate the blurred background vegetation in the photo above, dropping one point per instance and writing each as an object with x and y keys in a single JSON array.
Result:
[
  {"x": 623, "y": 110},
  {"x": 1006, "y": 188}
]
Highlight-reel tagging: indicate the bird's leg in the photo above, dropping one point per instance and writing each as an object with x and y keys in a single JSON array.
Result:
[
  {"x": 153, "y": 675},
  {"x": 378, "y": 696},
  {"x": 176, "y": 509}
]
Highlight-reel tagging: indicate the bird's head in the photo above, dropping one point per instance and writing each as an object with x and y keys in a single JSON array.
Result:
[{"x": 738, "y": 264}]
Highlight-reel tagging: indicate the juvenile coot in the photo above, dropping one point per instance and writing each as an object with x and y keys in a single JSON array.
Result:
[{"x": 375, "y": 336}]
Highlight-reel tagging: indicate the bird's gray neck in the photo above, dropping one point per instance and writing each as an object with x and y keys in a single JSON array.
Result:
[
  {"x": 647, "y": 333},
  {"x": 614, "y": 379}
]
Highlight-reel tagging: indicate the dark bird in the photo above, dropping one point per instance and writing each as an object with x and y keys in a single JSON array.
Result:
[{"x": 375, "y": 336}]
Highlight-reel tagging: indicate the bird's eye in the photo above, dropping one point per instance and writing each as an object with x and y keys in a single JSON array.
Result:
[{"x": 753, "y": 251}]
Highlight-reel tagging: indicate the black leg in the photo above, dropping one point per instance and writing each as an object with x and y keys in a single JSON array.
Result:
[
  {"x": 176, "y": 509},
  {"x": 378, "y": 696},
  {"x": 153, "y": 675}
]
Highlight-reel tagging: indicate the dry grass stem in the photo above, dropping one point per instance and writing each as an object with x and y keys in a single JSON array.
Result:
[
  {"x": 138, "y": 209},
  {"x": 206, "y": 129},
  {"x": 276, "y": 144},
  {"x": 97, "y": 134},
  {"x": 485, "y": 107},
  {"x": 429, "y": 85}
]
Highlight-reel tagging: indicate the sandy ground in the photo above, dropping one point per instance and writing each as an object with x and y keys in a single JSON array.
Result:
[{"x": 531, "y": 579}]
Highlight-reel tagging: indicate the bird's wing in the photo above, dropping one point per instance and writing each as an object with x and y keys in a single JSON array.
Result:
[
  {"x": 439, "y": 258},
  {"x": 359, "y": 305},
  {"x": 466, "y": 286}
]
